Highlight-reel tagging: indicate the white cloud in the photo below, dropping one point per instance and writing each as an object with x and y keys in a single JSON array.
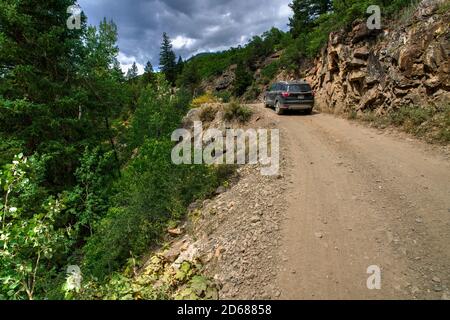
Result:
[
  {"x": 126, "y": 62},
  {"x": 285, "y": 11},
  {"x": 181, "y": 42}
]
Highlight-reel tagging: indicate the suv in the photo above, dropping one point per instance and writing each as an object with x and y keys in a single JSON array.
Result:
[{"x": 293, "y": 95}]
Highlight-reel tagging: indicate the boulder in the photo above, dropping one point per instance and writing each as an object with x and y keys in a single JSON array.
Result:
[
  {"x": 434, "y": 57},
  {"x": 175, "y": 232},
  {"x": 225, "y": 81},
  {"x": 356, "y": 63},
  {"x": 220, "y": 190},
  {"x": 417, "y": 70},
  {"x": 361, "y": 53},
  {"x": 189, "y": 255},
  {"x": 408, "y": 56},
  {"x": 370, "y": 99},
  {"x": 357, "y": 76},
  {"x": 361, "y": 31},
  {"x": 432, "y": 82}
]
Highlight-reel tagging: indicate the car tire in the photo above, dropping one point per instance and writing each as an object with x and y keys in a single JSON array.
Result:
[
  {"x": 309, "y": 111},
  {"x": 278, "y": 109}
]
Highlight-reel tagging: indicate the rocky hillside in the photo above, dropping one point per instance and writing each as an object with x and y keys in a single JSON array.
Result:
[{"x": 406, "y": 63}]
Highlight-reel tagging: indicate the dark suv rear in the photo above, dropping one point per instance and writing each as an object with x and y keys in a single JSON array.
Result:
[{"x": 294, "y": 95}]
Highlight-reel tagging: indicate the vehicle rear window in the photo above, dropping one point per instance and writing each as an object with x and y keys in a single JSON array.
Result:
[{"x": 299, "y": 88}]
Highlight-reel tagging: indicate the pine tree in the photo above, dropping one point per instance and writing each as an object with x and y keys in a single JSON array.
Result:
[
  {"x": 305, "y": 14},
  {"x": 39, "y": 72},
  {"x": 242, "y": 81},
  {"x": 189, "y": 78},
  {"x": 148, "y": 67},
  {"x": 167, "y": 62},
  {"x": 180, "y": 66},
  {"x": 132, "y": 72},
  {"x": 117, "y": 70},
  {"x": 149, "y": 76}
]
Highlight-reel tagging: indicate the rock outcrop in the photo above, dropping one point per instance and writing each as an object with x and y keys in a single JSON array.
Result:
[
  {"x": 222, "y": 82},
  {"x": 385, "y": 69}
]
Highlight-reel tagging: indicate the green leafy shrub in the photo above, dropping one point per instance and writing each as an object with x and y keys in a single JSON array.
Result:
[
  {"x": 88, "y": 201},
  {"x": 29, "y": 239},
  {"x": 158, "y": 114},
  {"x": 235, "y": 111},
  {"x": 224, "y": 96},
  {"x": 270, "y": 71},
  {"x": 242, "y": 81},
  {"x": 252, "y": 93}
]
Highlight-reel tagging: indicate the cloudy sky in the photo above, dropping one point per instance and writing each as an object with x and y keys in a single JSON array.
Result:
[{"x": 193, "y": 25}]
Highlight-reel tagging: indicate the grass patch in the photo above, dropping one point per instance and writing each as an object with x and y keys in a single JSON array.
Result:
[
  {"x": 235, "y": 111},
  {"x": 430, "y": 123},
  {"x": 208, "y": 114},
  {"x": 408, "y": 12},
  {"x": 444, "y": 7}
]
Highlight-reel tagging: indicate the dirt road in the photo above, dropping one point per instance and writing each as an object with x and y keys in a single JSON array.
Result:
[{"x": 359, "y": 197}]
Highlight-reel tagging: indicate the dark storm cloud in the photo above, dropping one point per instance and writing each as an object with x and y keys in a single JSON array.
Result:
[{"x": 194, "y": 25}]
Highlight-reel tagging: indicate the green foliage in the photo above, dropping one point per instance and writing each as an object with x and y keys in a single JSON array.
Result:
[
  {"x": 149, "y": 77},
  {"x": 189, "y": 78},
  {"x": 89, "y": 199},
  {"x": 306, "y": 13},
  {"x": 132, "y": 72},
  {"x": 28, "y": 239},
  {"x": 152, "y": 190},
  {"x": 158, "y": 114},
  {"x": 242, "y": 81},
  {"x": 252, "y": 93},
  {"x": 270, "y": 71},
  {"x": 224, "y": 96},
  {"x": 167, "y": 60},
  {"x": 235, "y": 111},
  {"x": 97, "y": 186}
]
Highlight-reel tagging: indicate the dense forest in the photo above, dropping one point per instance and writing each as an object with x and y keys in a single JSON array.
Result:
[
  {"x": 86, "y": 177},
  {"x": 86, "y": 173}
]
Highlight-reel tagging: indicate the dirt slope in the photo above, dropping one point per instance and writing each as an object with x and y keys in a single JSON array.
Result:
[{"x": 359, "y": 197}]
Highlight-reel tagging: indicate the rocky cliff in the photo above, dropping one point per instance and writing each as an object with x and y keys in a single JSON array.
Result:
[{"x": 406, "y": 63}]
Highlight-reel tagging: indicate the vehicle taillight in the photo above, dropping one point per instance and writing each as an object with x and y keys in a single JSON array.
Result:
[
  {"x": 285, "y": 94},
  {"x": 313, "y": 93}
]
